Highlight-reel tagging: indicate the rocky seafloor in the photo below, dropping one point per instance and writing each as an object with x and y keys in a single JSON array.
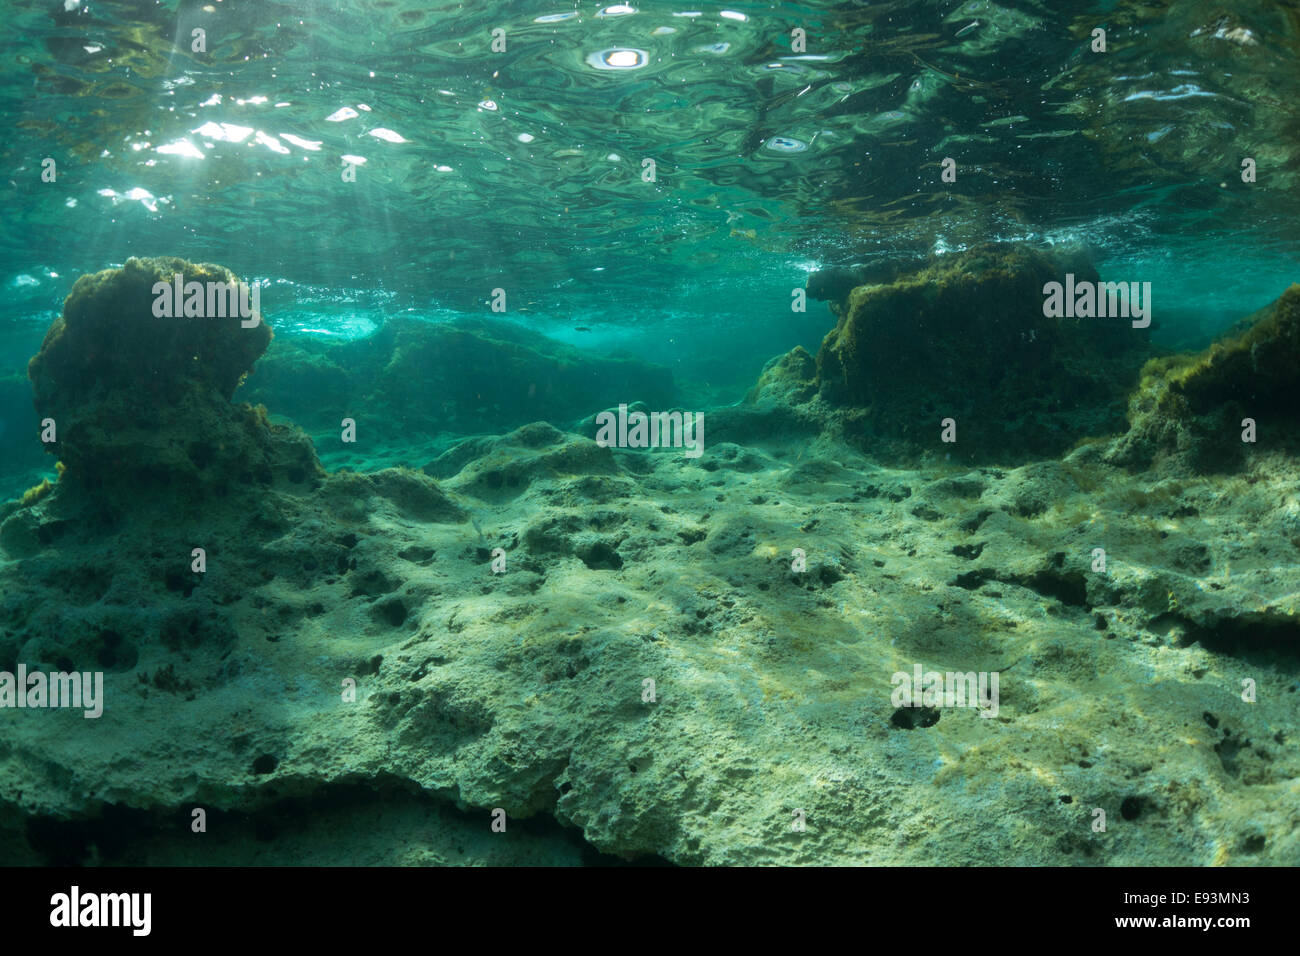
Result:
[{"x": 526, "y": 691}]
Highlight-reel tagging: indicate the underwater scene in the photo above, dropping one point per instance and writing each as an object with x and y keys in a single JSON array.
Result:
[{"x": 557, "y": 433}]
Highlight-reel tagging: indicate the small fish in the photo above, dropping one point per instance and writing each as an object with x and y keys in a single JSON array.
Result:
[
  {"x": 581, "y": 328},
  {"x": 968, "y": 28}
]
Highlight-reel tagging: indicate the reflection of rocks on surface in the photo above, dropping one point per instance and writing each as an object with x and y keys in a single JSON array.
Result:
[{"x": 1109, "y": 94}]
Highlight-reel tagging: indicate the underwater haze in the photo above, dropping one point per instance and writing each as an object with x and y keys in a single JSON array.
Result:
[{"x": 719, "y": 434}]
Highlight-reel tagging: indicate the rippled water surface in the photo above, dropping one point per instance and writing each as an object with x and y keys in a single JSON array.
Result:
[{"x": 524, "y": 167}]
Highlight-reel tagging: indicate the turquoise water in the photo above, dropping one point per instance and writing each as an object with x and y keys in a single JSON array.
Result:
[{"x": 649, "y": 181}]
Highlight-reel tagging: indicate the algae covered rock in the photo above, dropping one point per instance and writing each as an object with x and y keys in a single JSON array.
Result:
[
  {"x": 109, "y": 339},
  {"x": 966, "y": 338},
  {"x": 631, "y": 645},
  {"x": 506, "y": 467},
  {"x": 1193, "y": 409},
  {"x": 142, "y": 400},
  {"x": 409, "y": 494},
  {"x": 787, "y": 379},
  {"x": 781, "y": 407},
  {"x": 835, "y": 283}
]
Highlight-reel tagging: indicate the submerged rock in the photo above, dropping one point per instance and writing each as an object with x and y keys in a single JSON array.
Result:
[
  {"x": 526, "y": 689},
  {"x": 141, "y": 403},
  {"x": 1193, "y": 409},
  {"x": 966, "y": 338}
]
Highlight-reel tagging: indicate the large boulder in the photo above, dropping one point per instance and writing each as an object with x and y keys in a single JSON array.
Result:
[
  {"x": 141, "y": 403},
  {"x": 965, "y": 337}
]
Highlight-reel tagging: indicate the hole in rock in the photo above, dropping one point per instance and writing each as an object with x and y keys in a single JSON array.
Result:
[
  {"x": 909, "y": 718},
  {"x": 264, "y": 764}
]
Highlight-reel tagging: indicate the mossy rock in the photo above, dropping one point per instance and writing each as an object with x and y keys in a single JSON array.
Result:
[
  {"x": 787, "y": 379},
  {"x": 109, "y": 340},
  {"x": 1189, "y": 408},
  {"x": 142, "y": 403},
  {"x": 965, "y": 337}
]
